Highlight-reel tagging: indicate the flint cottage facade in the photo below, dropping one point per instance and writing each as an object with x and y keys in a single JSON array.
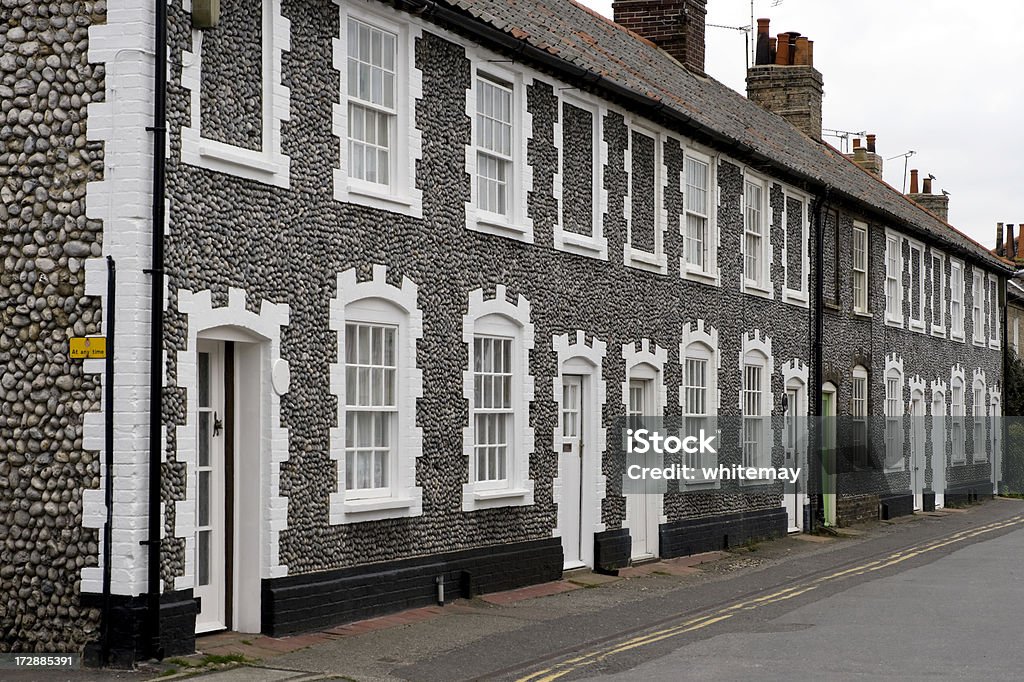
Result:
[{"x": 396, "y": 271}]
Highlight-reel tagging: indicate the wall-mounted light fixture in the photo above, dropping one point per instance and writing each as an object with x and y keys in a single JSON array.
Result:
[{"x": 205, "y": 13}]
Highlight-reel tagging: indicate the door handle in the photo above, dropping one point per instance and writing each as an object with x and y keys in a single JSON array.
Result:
[{"x": 218, "y": 425}]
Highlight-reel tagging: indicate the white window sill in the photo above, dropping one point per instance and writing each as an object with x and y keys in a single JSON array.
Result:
[
  {"x": 499, "y": 225},
  {"x": 957, "y": 337},
  {"x": 582, "y": 245},
  {"x": 373, "y": 508},
  {"x": 702, "y": 484},
  {"x": 916, "y": 325},
  {"x": 863, "y": 314},
  {"x": 994, "y": 345},
  {"x": 645, "y": 260},
  {"x": 939, "y": 331},
  {"x": 693, "y": 274},
  {"x": 755, "y": 289},
  {"x": 753, "y": 483},
  {"x": 981, "y": 343},
  {"x": 795, "y": 297},
  {"x": 891, "y": 322},
  {"x": 253, "y": 160},
  {"x": 474, "y": 498}
]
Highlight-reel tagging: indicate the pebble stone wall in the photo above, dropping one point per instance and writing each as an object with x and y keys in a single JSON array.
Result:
[
  {"x": 286, "y": 246},
  {"x": 46, "y": 84},
  {"x": 231, "y": 97}
]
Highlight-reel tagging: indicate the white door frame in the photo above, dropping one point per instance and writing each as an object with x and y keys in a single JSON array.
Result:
[
  {"x": 643, "y": 511},
  {"x": 917, "y": 447},
  {"x": 211, "y": 519},
  {"x": 938, "y": 438},
  {"x": 251, "y": 419},
  {"x": 570, "y": 470},
  {"x": 995, "y": 422},
  {"x": 795, "y": 441},
  {"x": 828, "y": 437}
]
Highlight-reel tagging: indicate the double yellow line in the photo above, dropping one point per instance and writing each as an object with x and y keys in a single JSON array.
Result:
[{"x": 565, "y": 667}]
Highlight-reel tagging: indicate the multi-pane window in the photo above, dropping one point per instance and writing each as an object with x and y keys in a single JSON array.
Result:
[
  {"x": 696, "y": 233},
  {"x": 753, "y": 234},
  {"x": 493, "y": 412},
  {"x": 494, "y": 160},
  {"x": 893, "y": 285},
  {"x": 978, "y": 408},
  {"x": 372, "y": 113},
  {"x": 695, "y": 376},
  {"x": 859, "y": 413},
  {"x": 371, "y": 406},
  {"x": 978, "y": 307},
  {"x": 938, "y": 294},
  {"x": 893, "y": 422},
  {"x": 860, "y": 269},
  {"x": 753, "y": 415},
  {"x": 956, "y": 300},
  {"x": 916, "y": 293},
  {"x": 957, "y": 413}
]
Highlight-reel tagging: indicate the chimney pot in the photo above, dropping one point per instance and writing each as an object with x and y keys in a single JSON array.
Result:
[
  {"x": 1011, "y": 242},
  {"x": 762, "y": 26},
  {"x": 856, "y": 142},
  {"x": 927, "y": 186},
  {"x": 801, "y": 57},
  {"x": 913, "y": 182},
  {"x": 1019, "y": 251},
  {"x": 999, "y": 239},
  {"x": 782, "y": 50},
  {"x": 871, "y": 143}
]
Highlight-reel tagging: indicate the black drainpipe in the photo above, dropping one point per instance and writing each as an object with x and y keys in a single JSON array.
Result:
[
  {"x": 156, "y": 271},
  {"x": 817, "y": 345},
  {"x": 108, "y": 437}
]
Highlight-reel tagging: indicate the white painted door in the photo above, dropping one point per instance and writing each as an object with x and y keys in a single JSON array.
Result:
[
  {"x": 570, "y": 471},
  {"x": 917, "y": 448},
  {"x": 939, "y": 449},
  {"x": 210, "y": 488},
  {"x": 996, "y": 432},
  {"x": 828, "y": 453},
  {"x": 796, "y": 446},
  {"x": 641, "y": 509}
]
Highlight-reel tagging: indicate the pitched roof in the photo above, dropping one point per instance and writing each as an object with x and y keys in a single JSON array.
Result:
[{"x": 579, "y": 37}]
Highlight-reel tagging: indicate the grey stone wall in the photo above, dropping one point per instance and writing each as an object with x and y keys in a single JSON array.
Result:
[
  {"x": 795, "y": 244},
  {"x": 578, "y": 170},
  {"x": 287, "y": 246},
  {"x": 643, "y": 214},
  {"x": 46, "y": 83},
  {"x": 231, "y": 96}
]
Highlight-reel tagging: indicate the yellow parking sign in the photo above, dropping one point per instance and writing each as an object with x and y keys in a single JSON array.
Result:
[{"x": 87, "y": 347}]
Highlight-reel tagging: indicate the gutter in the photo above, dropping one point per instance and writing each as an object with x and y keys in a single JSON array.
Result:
[
  {"x": 478, "y": 29},
  {"x": 156, "y": 271},
  {"x": 108, "y": 437}
]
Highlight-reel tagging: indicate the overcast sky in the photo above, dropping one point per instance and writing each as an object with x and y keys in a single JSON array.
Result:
[{"x": 944, "y": 78}]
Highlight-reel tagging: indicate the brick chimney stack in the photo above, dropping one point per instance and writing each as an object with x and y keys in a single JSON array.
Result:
[
  {"x": 783, "y": 79},
  {"x": 866, "y": 157},
  {"x": 676, "y": 26},
  {"x": 936, "y": 203}
]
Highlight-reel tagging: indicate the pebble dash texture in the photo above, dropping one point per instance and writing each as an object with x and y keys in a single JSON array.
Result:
[
  {"x": 46, "y": 84},
  {"x": 231, "y": 97},
  {"x": 578, "y": 170},
  {"x": 288, "y": 245}
]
